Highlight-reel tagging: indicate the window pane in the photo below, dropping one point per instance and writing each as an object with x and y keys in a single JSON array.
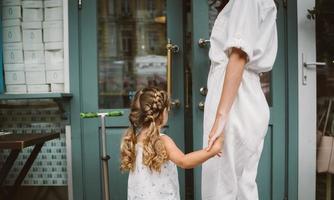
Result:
[{"x": 132, "y": 49}]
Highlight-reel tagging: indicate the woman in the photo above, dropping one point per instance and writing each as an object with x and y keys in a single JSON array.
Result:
[{"x": 243, "y": 45}]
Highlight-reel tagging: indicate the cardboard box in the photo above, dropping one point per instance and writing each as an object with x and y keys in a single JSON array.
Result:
[
  {"x": 34, "y": 57},
  {"x": 33, "y": 47},
  {"x": 32, "y": 25},
  {"x": 16, "y": 89},
  {"x": 53, "y": 31},
  {"x": 55, "y": 76},
  {"x": 34, "y": 67},
  {"x": 14, "y": 77},
  {"x": 11, "y": 3},
  {"x": 54, "y": 59},
  {"x": 12, "y": 53},
  {"x": 53, "y": 13},
  {"x": 38, "y": 88},
  {"x": 53, "y": 3},
  {"x": 32, "y": 4},
  {"x": 32, "y": 14},
  {"x": 54, "y": 45},
  {"x": 31, "y": 36},
  {"x": 11, "y": 12},
  {"x": 11, "y": 22},
  {"x": 35, "y": 77},
  {"x": 12, "y": 31},
  {"x": 14, "y": 67},
  {"x": 57, "y": 87},
  {"x": 12, "y": 34}
]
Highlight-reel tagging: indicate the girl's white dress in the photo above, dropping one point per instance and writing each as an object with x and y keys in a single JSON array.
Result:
[
  {"x": 251, "y": 26},
  {"x": 144, "y": 184}
]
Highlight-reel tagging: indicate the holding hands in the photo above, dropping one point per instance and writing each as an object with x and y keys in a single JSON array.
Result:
[{"x": 216, "y": 133}]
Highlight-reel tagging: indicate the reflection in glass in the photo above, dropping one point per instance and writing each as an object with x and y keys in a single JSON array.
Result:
[
  {"x": 325, "y": 85},
  {"x": 214, "y": 7},
  {"x": 132, "y": 49}
]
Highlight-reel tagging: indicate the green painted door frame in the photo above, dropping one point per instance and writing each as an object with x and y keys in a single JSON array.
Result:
[{"x": 84, "y": 86}]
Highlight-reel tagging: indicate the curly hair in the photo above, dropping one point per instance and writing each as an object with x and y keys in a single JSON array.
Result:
[{"x": 146, "y": 111}]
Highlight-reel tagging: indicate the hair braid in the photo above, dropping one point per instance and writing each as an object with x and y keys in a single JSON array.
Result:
[{"x": 146, "y": 111}]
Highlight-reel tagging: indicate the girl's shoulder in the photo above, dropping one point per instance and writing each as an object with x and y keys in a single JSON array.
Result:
[{"x": 166, "y": 139}]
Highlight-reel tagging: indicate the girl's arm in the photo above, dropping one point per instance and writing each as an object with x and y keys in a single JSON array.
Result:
[
  {"x": 190, "y": 160},
  {"x": 233, "y": 76}
]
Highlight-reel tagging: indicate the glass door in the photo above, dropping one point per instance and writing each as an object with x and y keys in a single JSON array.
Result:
[
  {"x": 273, "y": 165},
  {"x": 323, "y": 14},
  {"x": 123, "y": 49}
]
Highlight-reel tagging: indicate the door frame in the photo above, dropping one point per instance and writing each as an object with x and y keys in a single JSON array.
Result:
[
  {"x": 85, "y": 95},
  {"x": 307, "y": 103},
  {"x": 292, "y": 100}
]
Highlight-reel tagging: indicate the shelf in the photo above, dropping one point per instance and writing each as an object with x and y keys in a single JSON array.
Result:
[{"x": 35, "y": 96}]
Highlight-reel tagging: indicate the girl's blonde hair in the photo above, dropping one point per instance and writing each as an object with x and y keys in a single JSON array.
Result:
[{"x": 147, "y": 109}]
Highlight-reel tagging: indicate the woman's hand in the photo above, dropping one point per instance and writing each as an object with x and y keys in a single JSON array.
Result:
[
  {"x": 217, "y": 145},
  {"x": 216, "y": 131}
]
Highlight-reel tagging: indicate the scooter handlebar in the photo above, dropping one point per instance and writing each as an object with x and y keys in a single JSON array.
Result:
[{"x": 95, "y": 114}]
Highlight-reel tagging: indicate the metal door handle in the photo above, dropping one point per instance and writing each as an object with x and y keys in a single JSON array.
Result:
[
  {"x": 171, "y": 49},
  {"x": 203, "y": 43},
  {"x": 203, "y": 91},
  {"x": 309, "y": 65},
  {"x": 201, "y": 105},
  {"x": 313, "y": 65}
]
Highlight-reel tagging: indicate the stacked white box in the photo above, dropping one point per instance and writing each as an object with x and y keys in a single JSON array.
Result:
[
  {"x": 11, "y": 12},
  {"x": 32, "y": 32},
  {"x": 54, "y": 48},
  {"x": 32, "y": 11},
  {"x": 16, "y": 89},
  {"x": 12, "y": 53},
  {"x": 33, "y": 45},
  {"x": 35, "y": 74},
  {"x": 12, "y": 30},
  {"x": 53, "y": 31},
  {"x": 12, "y": 47},
  {"x": 54, "y": 55},
  {"x": 53, "y": 10},
  {"x": 14, "y": 75},
  {"x": 38, "y": 88}
]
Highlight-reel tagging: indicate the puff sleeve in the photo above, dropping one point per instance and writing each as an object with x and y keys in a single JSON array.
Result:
[{"x": 243, "y": 27}]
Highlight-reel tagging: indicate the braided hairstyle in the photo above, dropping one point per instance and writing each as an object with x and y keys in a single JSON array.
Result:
[{"x": 146, "y": 111}]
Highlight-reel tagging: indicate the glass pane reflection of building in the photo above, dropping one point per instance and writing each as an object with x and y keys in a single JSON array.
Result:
[{"x": 132, "y": 49}]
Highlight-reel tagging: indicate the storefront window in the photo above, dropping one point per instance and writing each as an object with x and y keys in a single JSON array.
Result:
[
  {"x": 33, "y": 46},
  {"x": 132, "y": 49}
]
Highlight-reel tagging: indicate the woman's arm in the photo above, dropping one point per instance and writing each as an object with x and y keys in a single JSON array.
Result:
[
  {"x": 233, "y": 76},
  {"x": 190, "y": 160}
]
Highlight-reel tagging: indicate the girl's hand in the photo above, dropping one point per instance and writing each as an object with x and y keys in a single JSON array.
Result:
[{"x": 216, "y": 131}]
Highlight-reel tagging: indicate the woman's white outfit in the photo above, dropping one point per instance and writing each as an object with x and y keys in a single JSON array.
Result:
[
  {"x": 251, "y": 26},
  {"x": 144, "y": 184}
]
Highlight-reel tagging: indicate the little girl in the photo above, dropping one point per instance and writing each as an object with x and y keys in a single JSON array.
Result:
[{"x": 151, "y": 157}]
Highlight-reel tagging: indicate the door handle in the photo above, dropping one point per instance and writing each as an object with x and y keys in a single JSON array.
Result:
[
  {"x": 171, "y": 49},
  {"x": 309, "y": 65},
  {"x": 203, "y": 43},
  {"x": 203, "y": 91},
  {"x": 201, "y": 105},
  {"x": 313, "y": 65}
]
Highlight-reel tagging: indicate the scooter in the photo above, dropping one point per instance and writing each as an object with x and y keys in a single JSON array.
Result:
[{"x": 104, "y": 157}]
